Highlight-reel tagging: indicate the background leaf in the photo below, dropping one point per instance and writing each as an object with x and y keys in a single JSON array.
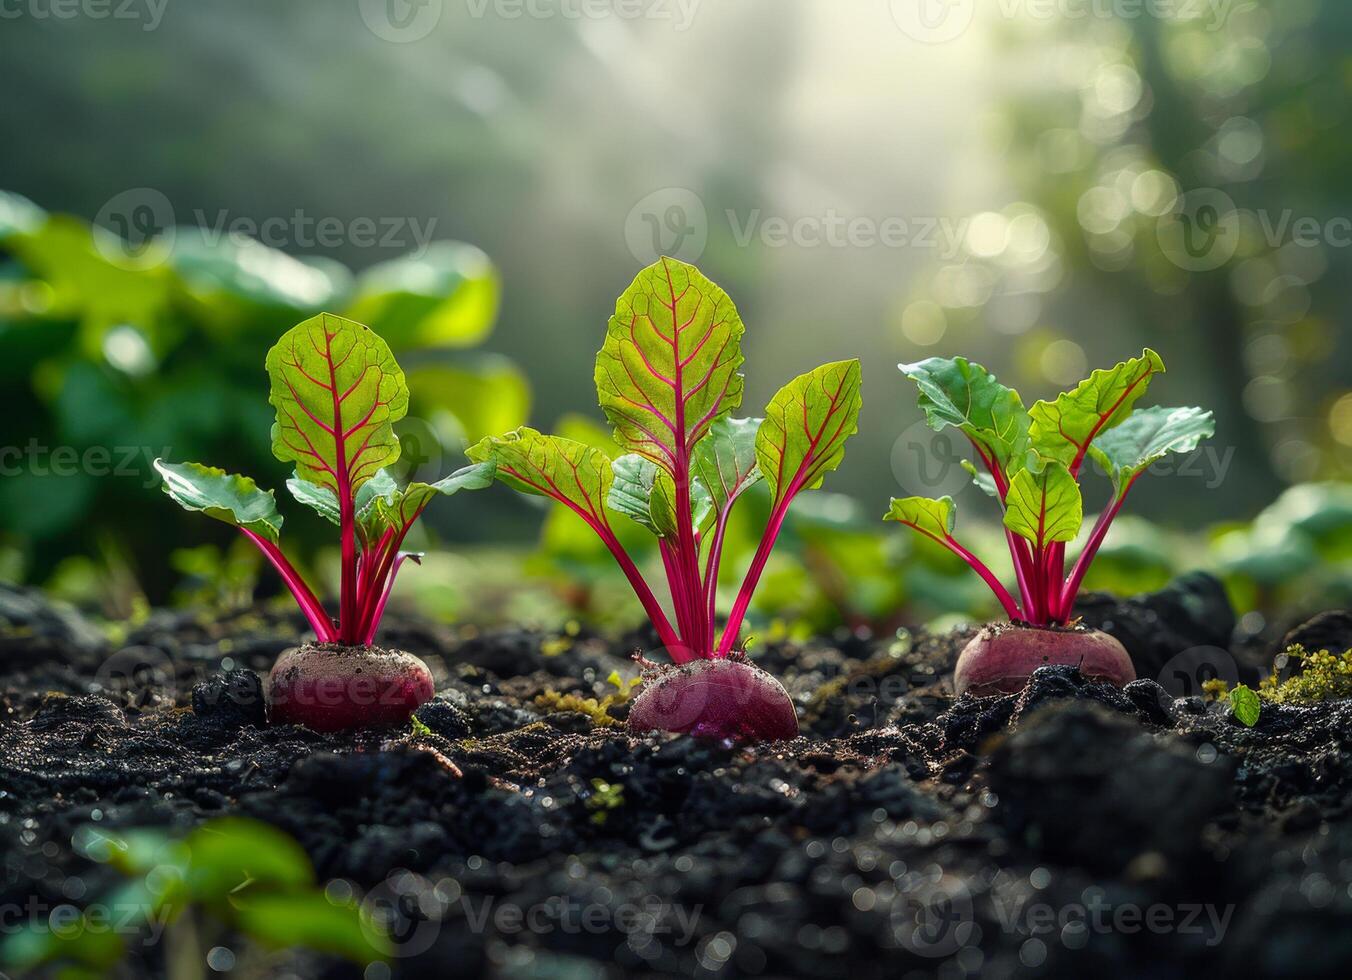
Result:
[{"x": 447, "y": 296}]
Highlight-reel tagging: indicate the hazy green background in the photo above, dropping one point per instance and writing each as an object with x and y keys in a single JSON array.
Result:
[{"x": 1053, "y": 148}]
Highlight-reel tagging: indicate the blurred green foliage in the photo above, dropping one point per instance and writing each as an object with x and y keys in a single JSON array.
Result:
[
  {"x": 1179, "y": 184},
  {"x": 113, "y": 354},
  {"x": 232, "y": 878}
]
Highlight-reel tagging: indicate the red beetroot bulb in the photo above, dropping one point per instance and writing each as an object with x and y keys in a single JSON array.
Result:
[
  {"x": 1000, "y": 658},
  {"x": 724, "y": 699},
  {"x": 330, "y": 687}
]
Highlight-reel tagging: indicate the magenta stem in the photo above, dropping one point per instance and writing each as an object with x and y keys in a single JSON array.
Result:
[
  {"x": 758, "y": 562},
  {"x": 1091, "y": 547},
  {"x": 1011, "y": 607},
  {"x": 309, "y": 604},
  {"x": 385, "y": 594}
]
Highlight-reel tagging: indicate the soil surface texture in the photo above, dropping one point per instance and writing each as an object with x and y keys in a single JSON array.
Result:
[{"x": 1070, "y": 830}]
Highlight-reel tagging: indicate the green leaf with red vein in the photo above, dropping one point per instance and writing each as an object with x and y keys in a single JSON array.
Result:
[
  {"x": 931, "y": 517},
  {"x": 325, "y": 504},
  {"x": 1147, "y": 437},
  {"x": 338, "y": 392},
  {"x": 1044, "y": 506},
  {"x": 805, "y": 428},
  {"x": 572, "y": 473},
  {"x": 667, "y": 370},
  {"x": 1064, "y": 429},
  {"x": 958, "y": 392},
  {"x": 725, "y": 461},
  {"x": 646, "y": 493},
  {"x": 402, "y": 507},
  {"x": 227, "y": 497}
]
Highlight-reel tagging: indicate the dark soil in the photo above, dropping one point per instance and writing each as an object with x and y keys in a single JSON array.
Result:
[{"x": 1072, "y": 830}]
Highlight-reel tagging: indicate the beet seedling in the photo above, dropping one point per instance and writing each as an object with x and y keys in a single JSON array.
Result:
[
  {"x": 338, "y": 392},
  {"x": 1031, "y": 463},
  {"x": 668, "y": 382}
]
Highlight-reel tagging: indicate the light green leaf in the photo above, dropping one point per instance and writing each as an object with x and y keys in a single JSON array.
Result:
[
  {"x": 1245, "y": 706},
  {"x": 667, "y": 370},
  {"x": 485, "y": 393},
  {"x": 570, "y": 472},
  {"x": 725, "y": 461},
  {"x": 308, "y": 919},
  {"x": 322, "y": 501},
  {"x": 983, "y": 480},
  {"x": 447, "y": 296},
  {"x": 229, "y": 273},
  {"x": 805, "y": 428},
  {"x": 957, "y": 392},
  {"x": 1044, "y": 505},
  {"x": 227, "y": 497},
  {"x": 97, "y": 280},
  {"x": 928, "y": 516},
  {"x": 338, "y": 392},
  {"x": 1149, "y": 435},
  {"x": 227, "y": 852},
  {"x": 1063, "y": 429},
  {"x": 19, "y": 215},
  {"x": 403, "y": 507},
  {"x": 646, "y": 493}
]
